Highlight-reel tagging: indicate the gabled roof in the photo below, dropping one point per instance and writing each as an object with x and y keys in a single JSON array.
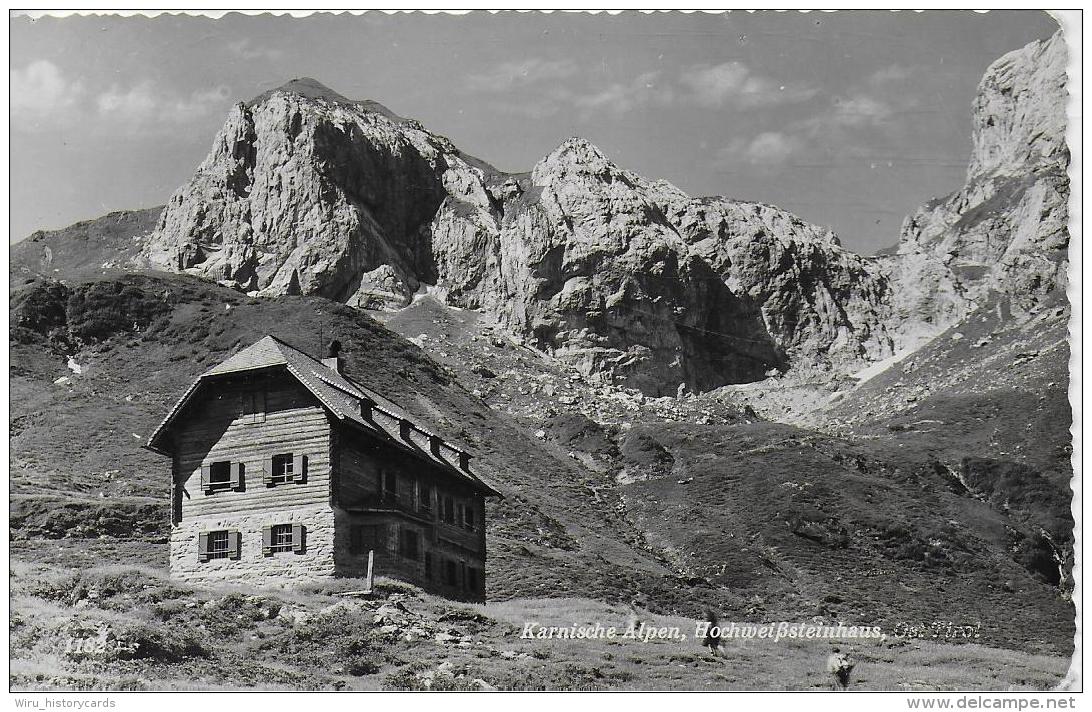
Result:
[{"x": 346, "y": 400}]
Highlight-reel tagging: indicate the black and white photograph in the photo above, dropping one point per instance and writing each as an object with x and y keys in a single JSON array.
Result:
[{"x": 529, "y": 351}]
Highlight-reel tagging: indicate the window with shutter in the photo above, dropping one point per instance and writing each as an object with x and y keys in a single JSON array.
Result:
[
  {"x": 220, "y": 475},
  {"x": 281, "y": 538},
  {"x": 284, "y": 468},
  {"x": 220, "y": 544}
]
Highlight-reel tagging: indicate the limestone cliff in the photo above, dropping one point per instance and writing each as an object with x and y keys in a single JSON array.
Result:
[
  {"x": 1005, "y": 230},
  {"x": 308, "y": 192}
]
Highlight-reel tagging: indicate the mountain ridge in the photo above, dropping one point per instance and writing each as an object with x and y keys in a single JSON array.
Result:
[{"x": 629, "y": 294}]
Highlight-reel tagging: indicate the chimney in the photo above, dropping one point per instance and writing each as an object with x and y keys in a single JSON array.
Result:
[
  {"x": 434, "y": 444},
  {"x": 464, "y": 461},
  {"x": 404, "y": 428},
  {"x": 333, "y": 358}
]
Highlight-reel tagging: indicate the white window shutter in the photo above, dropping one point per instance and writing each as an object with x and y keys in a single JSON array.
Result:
[
  {"x": 299, "y": 468},
  {"x": 267, "y": 472},
  {"x": 267, "y": 541},
  {"x": 203, "y": 547},
  {"x": 298, "y": 534},
  {"x": 235, "y": 549},
  {"x": 206, "y": 479},
  {"x": 236, "y": 477}
]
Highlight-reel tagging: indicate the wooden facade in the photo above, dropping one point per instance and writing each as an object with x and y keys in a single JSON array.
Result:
[{"x": 284, "y": 470}]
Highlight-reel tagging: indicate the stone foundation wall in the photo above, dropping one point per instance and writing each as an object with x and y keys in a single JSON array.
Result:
[{"x": 314, "y": 563}]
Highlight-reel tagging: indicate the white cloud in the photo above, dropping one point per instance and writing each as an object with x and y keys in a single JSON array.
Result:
[
  {"x": 889, "y": 75},
  {"x": 730, "y": 85},
  {"x": 246, "y": 50},
  {"x": 644, "y": 90},
  {"x": 769, "y": 148},
  {"x": 146, "y": 104},
  {"x": 509, "y": 75},
  {"x": 860, "y": 110},
  {"x": 734, "y": 84},
  {"x": 847, "y": 114},
  {"x": 41, "y": 90}
]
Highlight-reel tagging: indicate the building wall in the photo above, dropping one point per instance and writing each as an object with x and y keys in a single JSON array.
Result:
[
  {"x": 314, "y": 563},
  {"x": 361, "y": 462},
  {"x": 214, "y": 430},
  {"x": 389, "y": 560}
]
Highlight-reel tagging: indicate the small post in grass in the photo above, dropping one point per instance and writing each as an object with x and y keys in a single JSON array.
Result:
[{"x": 371, "y": 560}]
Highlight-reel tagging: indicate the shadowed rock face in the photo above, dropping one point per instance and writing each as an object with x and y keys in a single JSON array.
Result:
[
  {"x": 306, "y": 192},
  {"x": 1005, "y": 230}
]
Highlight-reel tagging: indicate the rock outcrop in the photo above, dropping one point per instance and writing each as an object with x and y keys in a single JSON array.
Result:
[
  {"x": 307, "y": 192},
  {"x": 1006, "y": 230}
]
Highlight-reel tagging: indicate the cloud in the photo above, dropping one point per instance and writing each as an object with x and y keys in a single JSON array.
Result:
[
  {"x": 845, "y": 114},
  {"x": 646, "y": 89},
  {"x": 860, "y": 110},
  {"x": 246, "y": 50},
  {"x": 734, "y": 84},
  {"x": 509, "y": 75},
  {"x": 889, "y": 75},
  {"x": 769, "y": 148},
  {"x": 731, "y": 85},
  {"x": 145, "y": 104},
  {"x": 40, "y": 90}
]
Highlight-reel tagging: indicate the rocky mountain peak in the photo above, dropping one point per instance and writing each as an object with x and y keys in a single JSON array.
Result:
[
  {"x": 1005, "y": 231},
  {"x": 313, "y": 89},
  {"x": 1020, "y": 110},
  {"x": 575, "y": 156},
  {"x": 306, "y": 192}
]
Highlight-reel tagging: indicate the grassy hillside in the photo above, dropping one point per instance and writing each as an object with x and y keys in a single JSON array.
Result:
[
  {"x": 137, "y": 630},
  {"x": 91, "y": 248},
  {"x": 674, "y": 504},
  {"x": 140, "y": 340}
]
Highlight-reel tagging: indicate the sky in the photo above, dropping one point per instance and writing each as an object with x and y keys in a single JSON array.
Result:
[{"x": 848, "y": 119}]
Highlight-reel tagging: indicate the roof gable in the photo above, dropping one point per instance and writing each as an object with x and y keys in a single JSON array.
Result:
[{"x": 345, "y": 399}]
